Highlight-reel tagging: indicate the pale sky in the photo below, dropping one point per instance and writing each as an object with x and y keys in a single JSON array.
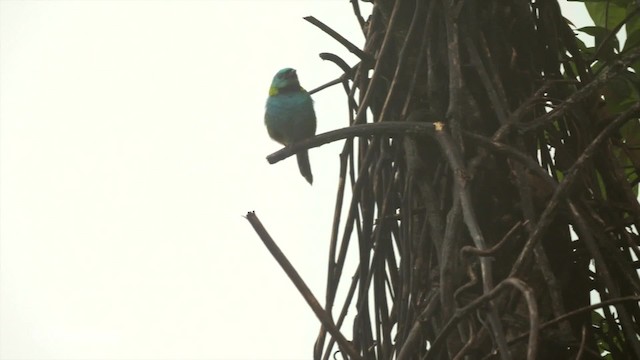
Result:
[{"x": 131, "y": 145}]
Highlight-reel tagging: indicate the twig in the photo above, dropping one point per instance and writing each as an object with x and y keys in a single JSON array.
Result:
[
  {"x": 579, "y": 222},
  {"x": 575, "y": 312},
  {"x": 534, "y": 322},
  {"x": 343, "y": 312},
  {"x": 608, "y": 72},
  {"x": 420, "y": 59},
  {"x": 304, "y": 290},
  {"x": 347, "y": 71},
  {"x": 387, "y": 129},
  {"x": 462, "y": 312},
  {"x": 488, "y": 252},
  {"x": 448, "y": 259},
  {"x": 602, "y": 269},
  {"x": 356, "y": 10},
  {"x": 402, "y": 59},
  {"x": 467, "y": 347},
  {"x": 409, "y": 343},
  {"x": 339, "y": 38},
  {"x": 375, "y": 78},
  {"x": 330, "y": 293},
  {"x": 498, "y": 101},
  {"x": 460, "y": 176},
  {"x": 583, "y": 341},
  {"x": 572, "y": 174}
]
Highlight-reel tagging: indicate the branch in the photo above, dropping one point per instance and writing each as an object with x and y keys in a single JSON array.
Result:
[
  {"x": 533, "y": 312},
  {"x": 380, "y": 60},
  {"x": 388, "y": 128},
  {"x": 339, "y": 38},
  {"x": 356, "y": 11},
  {"x": 460, "y": 177},
  {"x": 576, "y": 312},
  {"x": 403, "y": 57},
  {"x": 468, "y": 249},
  {"x": 322, "y": 315},
  {"x": 348, "y": 71},
  {"x": 605, "y": 75},
  {"x": 432, "y": 305},
  {"x": 572, "y": 174}
]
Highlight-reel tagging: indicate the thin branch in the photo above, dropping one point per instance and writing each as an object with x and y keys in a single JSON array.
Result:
[
  {"x": 460, "y": 176},
  {"x": 403, "y": 56},
  {"x": 462, "y": 312},
  {"x": 339, "y": 38},
  {"x": 302, "y": 287},
  {"x": 602, "y": 269},
  {"x": 356, "y": 10},
  {"x": 375, "y": 78},
  {"x": 572, "y": 174},
  {"x": 575, "y": 312},
  {"x": 432, "y": 306},
  {"x": 348, "y": 72},
  {"x": 489, "y": 252},
  {"x": 498, "y": 101},
  {"x": 608, "y": 72},
  {"x": 343, "y": 313},
  {"x": 330, "y": 294},
  {"x": 387, "y": 129}
]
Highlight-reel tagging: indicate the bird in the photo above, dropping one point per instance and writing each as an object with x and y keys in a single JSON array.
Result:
[{"x": 289, "y": 115}]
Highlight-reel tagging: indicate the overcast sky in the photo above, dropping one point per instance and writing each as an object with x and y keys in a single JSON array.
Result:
[{"x": 131, "y": 145}]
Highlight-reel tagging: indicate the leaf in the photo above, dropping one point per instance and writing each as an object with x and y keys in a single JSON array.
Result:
[
  {"x": 636, "y": 66},
  {"x": 586, "y": 52},
  {"x": 595, "y": 31},
  {"x": 596, "y": 318},
  {"x": 631, "y": 133},
  {"x": 606, "y": 14},
  {"x": 621, "y": 92},
  {"x": 633, "y": 40},
  {"x": 633, "y": 24},
  {"x": 603, "y": 190},
  {"x": 632, "y": 28},
  {"x": 600, "y": 35},
  {"x": 621, "y": 3},
  {"x": 630, "y": 158}
]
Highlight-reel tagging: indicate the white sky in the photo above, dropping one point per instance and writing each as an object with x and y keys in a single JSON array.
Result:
[{"x": 131, "y": 145}]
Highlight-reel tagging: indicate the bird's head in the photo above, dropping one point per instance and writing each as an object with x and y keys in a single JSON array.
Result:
[{"x": 286, "y": 80}]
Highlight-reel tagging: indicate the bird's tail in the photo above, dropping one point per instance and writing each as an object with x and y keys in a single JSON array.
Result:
[{"x": 304, "y": 166}]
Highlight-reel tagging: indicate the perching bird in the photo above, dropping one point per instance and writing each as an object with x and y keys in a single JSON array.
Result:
[{"x": 289, "y": 116}]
